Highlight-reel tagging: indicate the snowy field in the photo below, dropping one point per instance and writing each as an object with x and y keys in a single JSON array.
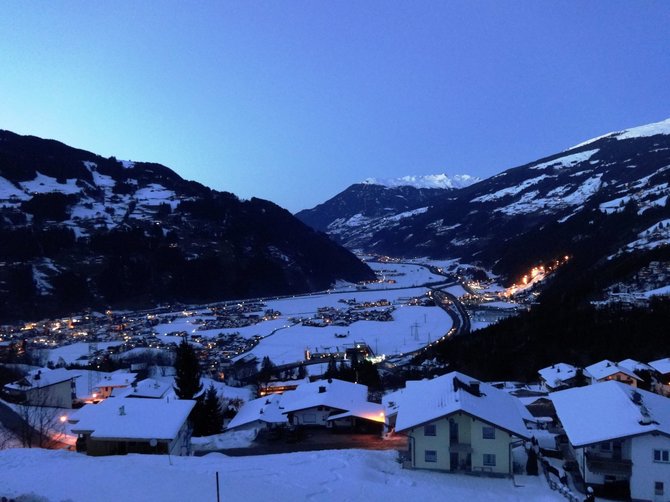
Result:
[
  {"x": 412, "y": 327},
  {"x": 343, "y": 475}
]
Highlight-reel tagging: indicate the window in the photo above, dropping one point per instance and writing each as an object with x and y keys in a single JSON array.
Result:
[
  {"x": 661, "y": 455},
  {"x": 658, "y": 488},
  {"x": 430, "y": 456},
  {"x": 489, "y": 459},
  {"x": 429, "y": 430},
  {"x": 488, "y": 432}
]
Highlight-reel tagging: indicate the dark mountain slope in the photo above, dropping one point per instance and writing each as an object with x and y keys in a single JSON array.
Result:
[{"x": 78, "y": 230}]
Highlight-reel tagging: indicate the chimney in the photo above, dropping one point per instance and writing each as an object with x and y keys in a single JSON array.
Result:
[
  {"x": 322, "y": 389},
  {"x": 474, "y": 385},
  {"x": 122, "y": 410}
]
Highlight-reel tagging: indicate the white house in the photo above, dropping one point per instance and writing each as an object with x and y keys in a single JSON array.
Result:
[
  {"x": 120, "y": 426},
  {"x": 620, "y": 437},
  {"x": 605, "y": 370},
  {"x": 560, "y": 376},
  {"x": 330, "y": 403},
  {"x": 456, "y": 423},
  {"x": 44, "y": 387},
  {"x": 261, "y": 413}
]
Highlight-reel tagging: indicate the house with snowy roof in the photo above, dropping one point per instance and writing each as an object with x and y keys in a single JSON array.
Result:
[
  {"x": 456, "y": 423},
  {"x": 562, "y": 376},
  {"x": 259, "y": 414},
  {"x": 44, "y": 387},
  {"x": 148, "y": 388},
  {"x": 121, "y": 426},
  {"x": 605, "y": 370},
  {"x": 119, "y": 379},
  {"x": 331, "y": 403},
  {"x": 663, "y": 368},
  {"x": 620, "y": 438}
]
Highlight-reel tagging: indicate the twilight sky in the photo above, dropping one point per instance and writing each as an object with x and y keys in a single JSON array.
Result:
[{"x": 293, "y": 101}]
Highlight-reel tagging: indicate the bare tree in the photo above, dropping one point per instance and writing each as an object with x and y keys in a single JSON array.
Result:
[{"x": 43, "y": 425}]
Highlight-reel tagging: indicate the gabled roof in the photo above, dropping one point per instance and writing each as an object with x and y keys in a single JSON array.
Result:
[
  {"x": 43, "y": 377},
  {"x": 333, "y": 393},
  {"x": 264, "y": 409},
  {"x": 606, "y": 411},
  {"x": 133, "y": 418},
  {"x": 607, "y": 368},
  {"x": 661, "y": 365},
  {"x": 558, "y": 373},
  {"x": 148, "y": 387},
  {"x": 633, "y": 365},
  {"x": 429, "y": 400}
]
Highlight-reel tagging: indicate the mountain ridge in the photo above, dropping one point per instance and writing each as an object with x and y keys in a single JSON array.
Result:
[{"x": 83, "y": 231}]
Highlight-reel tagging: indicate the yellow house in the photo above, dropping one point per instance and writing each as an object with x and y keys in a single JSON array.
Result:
[{"x": 456, "y": 423}]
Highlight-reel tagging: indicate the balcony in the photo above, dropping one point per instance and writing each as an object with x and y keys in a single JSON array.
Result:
[{"x": 611, "y": 466}]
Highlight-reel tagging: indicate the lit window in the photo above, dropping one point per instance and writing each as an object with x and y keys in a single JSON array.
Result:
[
  {"x": 661, "y": 455},
  {"x": 488, "y": 432},
  {"x": 489, "y": 459},
  {"x": 429, "y": 430},
  {"x": 430, "y": 456},
  {"x": 658, "y": 487}
]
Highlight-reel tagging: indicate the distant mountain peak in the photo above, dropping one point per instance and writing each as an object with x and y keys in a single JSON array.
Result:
[
  {"x": 426, "y": 181},
  {"x": 662, "y": 127}
]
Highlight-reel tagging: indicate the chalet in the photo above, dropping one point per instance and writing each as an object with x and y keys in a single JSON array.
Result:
[
  {"x": 262, "y": 413},
  {"x": 561, "y": 376},
  {"x": 455, "y": 423},
  {"x": 120, "y": 426},
  {"x": 607, "y": 370},
  {"x": 44, "y": 387},
  {"x": 109, "y": 382},
  {"x": 619, "y": 437},
  {"x": 331, "y": 403}
]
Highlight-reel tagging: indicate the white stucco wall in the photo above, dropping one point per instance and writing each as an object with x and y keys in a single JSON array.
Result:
[{"x": 646, "y": 471}]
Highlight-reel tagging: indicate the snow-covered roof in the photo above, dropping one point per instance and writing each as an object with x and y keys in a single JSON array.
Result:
[
  {"x": 633, "y": 365},
  {"x": 607, "y": 368},
  {"x": 133, "y": 418},
  {"x": 428, "y": 400},
  {"x": 333, "y": 393},
  {"x": 606, "y": 411},
  {"x": 118, "y": 378},
  {"x": 557, "y": 373},
  {"x": 145, "y": 388},
  {"x": 661, "y": 365},
  {"x": 42, "y": 377},
  {"x": 368, "y": 411},
  {"x": 264, "y": 409}
]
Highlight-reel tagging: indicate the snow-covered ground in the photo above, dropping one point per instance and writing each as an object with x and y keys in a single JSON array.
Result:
[{"x": 345, "y": 475}]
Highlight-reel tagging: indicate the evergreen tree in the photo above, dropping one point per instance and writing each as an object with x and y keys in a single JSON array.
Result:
[
  {"x": 267, "y": 370},
  {"x": 208, "y": 419},
  {"x": 187, "y": 379},
  {"x": 331, "y": 371}
]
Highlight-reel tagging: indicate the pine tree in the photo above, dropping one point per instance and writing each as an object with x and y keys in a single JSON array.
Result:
[
  {"x": 331, "y": 371},
  {"x": 187, "y": 379},
  {"x": 208, "y": 419},
  {"x": 267, "y": 370}
]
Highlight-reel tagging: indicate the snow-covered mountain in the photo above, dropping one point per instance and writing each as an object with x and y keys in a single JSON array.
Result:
[
  {"x": 375, "y": 204},
  {"x": 80, "y": 230},
  {"x": 600, "y": 200},
  {"x": 426, "y": 181}
]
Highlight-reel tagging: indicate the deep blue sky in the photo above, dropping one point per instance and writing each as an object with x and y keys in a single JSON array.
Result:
[{"x": 293, "y": 101}]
